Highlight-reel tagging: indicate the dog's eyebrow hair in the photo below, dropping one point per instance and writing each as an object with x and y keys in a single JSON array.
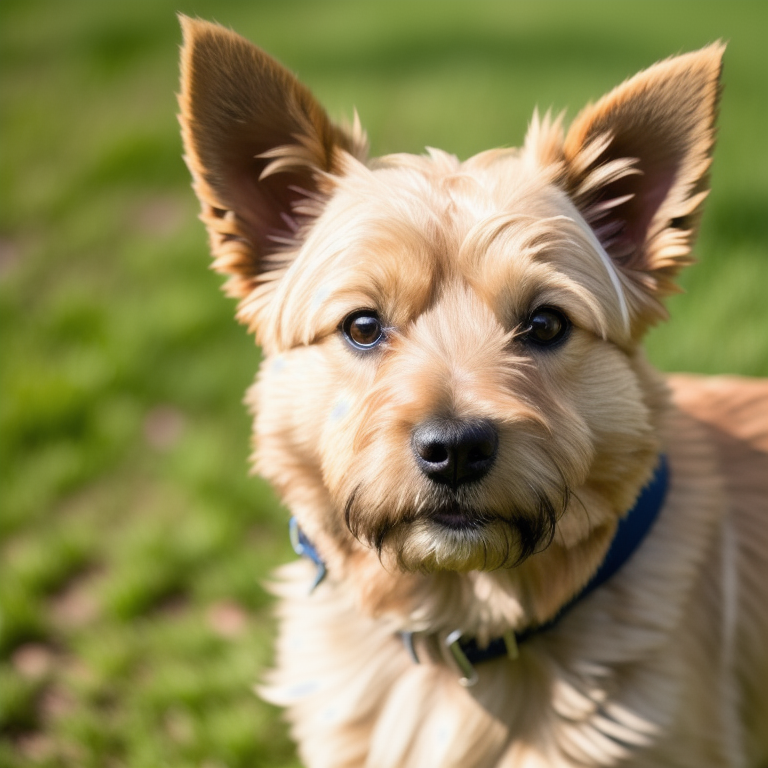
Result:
[
  {"x": 618, "y": 287},
  {"x": 610, "y": 268},
  {"x": 613, "y": 274}
]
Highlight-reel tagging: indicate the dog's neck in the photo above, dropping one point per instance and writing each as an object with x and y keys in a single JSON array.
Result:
[{"x": 466, "y": 651}]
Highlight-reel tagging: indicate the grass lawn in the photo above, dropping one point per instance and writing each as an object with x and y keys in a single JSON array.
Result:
[{"x": 133, "y": 542}]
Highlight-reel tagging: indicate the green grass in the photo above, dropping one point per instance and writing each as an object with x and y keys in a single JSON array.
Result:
[{"x": 133, "y": 541}]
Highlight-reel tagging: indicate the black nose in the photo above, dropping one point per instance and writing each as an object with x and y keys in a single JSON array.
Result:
[{"x": 455, "y": 452}]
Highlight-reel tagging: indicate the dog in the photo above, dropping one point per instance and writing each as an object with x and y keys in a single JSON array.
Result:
[{"x": 523, "y": 546}]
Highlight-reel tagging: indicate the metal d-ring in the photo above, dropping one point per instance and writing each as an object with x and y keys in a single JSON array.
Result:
[
  {"x": 511, "y": 642},
  {"x": 452, "y": 643}
]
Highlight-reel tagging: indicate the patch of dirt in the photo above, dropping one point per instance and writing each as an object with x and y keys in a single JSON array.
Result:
[{"x": 227, "y": 619}]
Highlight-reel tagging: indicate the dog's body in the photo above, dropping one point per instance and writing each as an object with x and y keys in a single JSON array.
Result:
[{"x": 455, "y": 407}]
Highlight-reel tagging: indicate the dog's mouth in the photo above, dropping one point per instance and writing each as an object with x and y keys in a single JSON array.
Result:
[{"x": 457, "y": 517}]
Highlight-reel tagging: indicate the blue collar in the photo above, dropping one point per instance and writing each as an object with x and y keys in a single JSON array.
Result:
[
  {"x": 303, "y": 547},
  {"x": 631, "y": 531}
]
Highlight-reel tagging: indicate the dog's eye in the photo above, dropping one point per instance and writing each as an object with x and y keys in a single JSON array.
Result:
[
  {"x": 546, "y": 326},
  {"x": 362, "y": 329}
]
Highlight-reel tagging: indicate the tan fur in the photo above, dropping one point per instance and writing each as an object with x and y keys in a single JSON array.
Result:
[{"x": 666, "y": 663}]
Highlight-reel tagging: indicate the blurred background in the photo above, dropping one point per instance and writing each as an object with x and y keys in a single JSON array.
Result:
[{"x": 134, "y": 545}]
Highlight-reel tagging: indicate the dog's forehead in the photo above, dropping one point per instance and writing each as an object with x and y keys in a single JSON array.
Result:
[
  {"x": 394, "y": 234},
  {"x": 438, "y": 189}
]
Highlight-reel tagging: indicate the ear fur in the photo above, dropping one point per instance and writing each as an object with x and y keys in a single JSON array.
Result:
[
  {"x": 257, "y": 144},
  {"x": 636, "y": 165}
]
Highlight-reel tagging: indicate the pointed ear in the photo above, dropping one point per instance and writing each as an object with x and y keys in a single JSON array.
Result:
[
  {"x": 258, "y": 145},
  {"x": 636, "y": 165}
]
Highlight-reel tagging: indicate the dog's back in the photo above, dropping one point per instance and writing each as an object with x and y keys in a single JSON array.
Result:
[{"x": 733, "y": 414}]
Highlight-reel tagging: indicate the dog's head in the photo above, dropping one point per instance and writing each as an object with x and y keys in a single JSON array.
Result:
[{"x": 451, "y": 374}]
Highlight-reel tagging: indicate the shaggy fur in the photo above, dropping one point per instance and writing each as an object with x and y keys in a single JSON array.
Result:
[{"x": 666, "y": 664}]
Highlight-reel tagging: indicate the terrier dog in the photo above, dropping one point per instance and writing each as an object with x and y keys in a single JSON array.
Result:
[{"x": 535, "y": 550}]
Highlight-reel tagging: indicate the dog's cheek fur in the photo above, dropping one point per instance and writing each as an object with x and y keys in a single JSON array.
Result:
[
  {"x": 286, "y": 434},
  {"x": 620, "y": 401},
  {"x": 307, "y": 403}
]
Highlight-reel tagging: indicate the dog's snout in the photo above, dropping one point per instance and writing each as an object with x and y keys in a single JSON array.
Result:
[{"x": 455, "y": 452}]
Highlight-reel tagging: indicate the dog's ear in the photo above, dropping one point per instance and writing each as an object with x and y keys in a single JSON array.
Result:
[
  {"x": 636, "y": 165},
  {"x": 258, "y": 146}
]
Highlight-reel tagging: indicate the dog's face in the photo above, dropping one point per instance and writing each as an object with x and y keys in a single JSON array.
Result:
[
  {"x": 456, "y": 335},
  {"x": 451, "y": 376}
]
